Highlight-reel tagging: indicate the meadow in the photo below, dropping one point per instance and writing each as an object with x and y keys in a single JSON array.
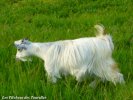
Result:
[{"x": 53, "y": 20}]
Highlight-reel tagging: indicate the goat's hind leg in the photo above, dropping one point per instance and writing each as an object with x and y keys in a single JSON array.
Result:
[
  {"x": 109, "y": 71},
  {"x": 114, "y": 75}
]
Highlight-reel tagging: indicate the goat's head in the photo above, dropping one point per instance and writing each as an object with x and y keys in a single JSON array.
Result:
[{"x": 23, "y": 48}]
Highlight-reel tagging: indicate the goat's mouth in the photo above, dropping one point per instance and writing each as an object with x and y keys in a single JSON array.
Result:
[{"x": 23, "y": 59}]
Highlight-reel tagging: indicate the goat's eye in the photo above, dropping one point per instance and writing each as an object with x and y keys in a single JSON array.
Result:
[{"x": 19, "y": 50}]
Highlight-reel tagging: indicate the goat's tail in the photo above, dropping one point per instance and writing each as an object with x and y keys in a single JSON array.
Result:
[{"x": 100, "y": 30}]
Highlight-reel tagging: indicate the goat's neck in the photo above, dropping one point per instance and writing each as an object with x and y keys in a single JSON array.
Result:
[{"x": 39, "y": 49}]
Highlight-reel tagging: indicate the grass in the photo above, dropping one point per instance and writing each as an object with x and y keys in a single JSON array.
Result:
[{"x": 52, "y": 20}]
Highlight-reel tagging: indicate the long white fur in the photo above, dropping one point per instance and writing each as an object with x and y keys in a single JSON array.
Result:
[{"x": 80, "y": 57}]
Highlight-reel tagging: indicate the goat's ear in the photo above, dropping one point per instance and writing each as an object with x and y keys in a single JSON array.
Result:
[
  {"x": 22, "y": 48},
  {"x": 26, "y": 38}
]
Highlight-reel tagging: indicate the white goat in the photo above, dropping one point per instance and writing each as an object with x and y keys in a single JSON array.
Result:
[{"x": 80, "y": 57}]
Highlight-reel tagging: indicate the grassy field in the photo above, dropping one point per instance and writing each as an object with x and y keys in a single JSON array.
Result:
[{"x": 52, "y": 20}]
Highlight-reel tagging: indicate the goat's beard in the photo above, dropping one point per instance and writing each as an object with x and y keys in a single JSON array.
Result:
[{"x": 24, "y": 59}]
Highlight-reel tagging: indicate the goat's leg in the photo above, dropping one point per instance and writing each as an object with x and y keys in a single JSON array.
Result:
[
  {"x": 108, "y": 71},
  {"x": 94, "y": 83},
  {"x": 52, "y": 78},
  {"x": 80, "y": 75},
  {"x": 52, "y": 73}
]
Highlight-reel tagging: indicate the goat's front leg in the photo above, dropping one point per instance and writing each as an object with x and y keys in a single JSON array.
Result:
[
  {"x": 52, "y": 78},
  {"x": 94, "y": 83},
  {"x": 52, "y": 73}
]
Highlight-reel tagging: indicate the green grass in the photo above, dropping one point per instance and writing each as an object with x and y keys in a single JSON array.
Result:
[{"x": 52, "y": 20}]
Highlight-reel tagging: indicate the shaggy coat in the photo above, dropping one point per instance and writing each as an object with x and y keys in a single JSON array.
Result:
[{"x": 80, "y": 57}]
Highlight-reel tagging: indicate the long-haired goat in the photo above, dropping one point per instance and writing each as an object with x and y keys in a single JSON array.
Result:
[{"x": 80, "y": 57}]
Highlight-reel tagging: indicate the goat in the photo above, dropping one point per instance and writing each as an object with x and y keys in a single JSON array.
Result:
[{"x": 80, "y": 57}]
